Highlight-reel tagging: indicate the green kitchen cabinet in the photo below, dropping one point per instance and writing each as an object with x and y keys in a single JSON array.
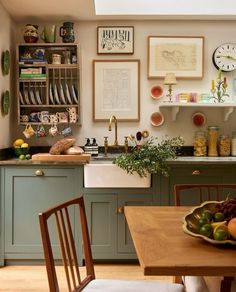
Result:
[
  {"x": 27, "y": 191},
  {"x": 194, "y": 174}
]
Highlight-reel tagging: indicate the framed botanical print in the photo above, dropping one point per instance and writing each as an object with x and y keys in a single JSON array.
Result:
[
  {"x": 182, "y": 56},
  {"x": 115, "y": 39},
  {"x": 116, "y": 89}
]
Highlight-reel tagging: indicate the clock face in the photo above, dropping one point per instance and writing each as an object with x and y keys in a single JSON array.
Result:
[{"x": 224, "y": 57}]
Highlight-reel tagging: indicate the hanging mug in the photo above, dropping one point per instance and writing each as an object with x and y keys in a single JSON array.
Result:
[
  {"x": 48, "y": 34},
  {"x": 28, "y": 131},
  {"x": 53, "y": 131},
  {"x": 67, "y": 32}
]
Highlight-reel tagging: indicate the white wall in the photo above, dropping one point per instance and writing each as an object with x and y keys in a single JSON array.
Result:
[
  {"x": 215, "y": 33},
  {"x": 7, "y": 42}
]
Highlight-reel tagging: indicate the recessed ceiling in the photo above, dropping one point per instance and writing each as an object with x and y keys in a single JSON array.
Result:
[{"x": 79, "y": 10}]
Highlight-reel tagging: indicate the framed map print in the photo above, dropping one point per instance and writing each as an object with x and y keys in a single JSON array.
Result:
[
  {"x": 116, "y": 90},
  {"x": 182, "y": 56}
]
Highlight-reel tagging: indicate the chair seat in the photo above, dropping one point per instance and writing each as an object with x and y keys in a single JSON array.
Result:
[{"x": 107, "y": 285}]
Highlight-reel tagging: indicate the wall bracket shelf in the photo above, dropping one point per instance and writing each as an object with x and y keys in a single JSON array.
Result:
[{"x": 227, "y": 108}]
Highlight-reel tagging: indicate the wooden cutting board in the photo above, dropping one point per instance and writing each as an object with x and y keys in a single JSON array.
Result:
[{"x": 67, "y": 157}]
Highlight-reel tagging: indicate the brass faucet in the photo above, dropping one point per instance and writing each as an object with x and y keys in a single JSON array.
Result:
[{"x": 113, "y": 118}]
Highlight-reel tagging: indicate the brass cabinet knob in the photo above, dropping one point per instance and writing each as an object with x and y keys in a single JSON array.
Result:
[
  {"x": 120, "y": 210},
  {"x": 39, "y": 172},
  {"x": 196, "y": 172}
]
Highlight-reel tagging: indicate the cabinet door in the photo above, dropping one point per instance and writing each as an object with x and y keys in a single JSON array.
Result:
[
  {"x": 27, "y": 194},
  {"x": 125, "y": 244},
  {"x": 102, "y": 222},
  {"x": 198, "y": 174}
]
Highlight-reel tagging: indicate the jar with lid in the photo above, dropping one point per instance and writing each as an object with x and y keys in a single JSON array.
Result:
[
  {"x": 212, "y": 140},
  {"x": 200, "y": 144},
  {"x": 233, "y": 144},
  {"x": 224, "y": 145}
]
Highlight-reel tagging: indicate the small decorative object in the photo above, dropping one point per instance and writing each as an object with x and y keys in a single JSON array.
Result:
[
  {"x": 224, "y": 57},
  {"x": 5, "y": 102},
  {"x": 180, "y": 55},
  {"x": 149, "y": 157},
  {"x": 56, "y": 59},
  {"x": 157, "y": 119},
  {"x": 31, "y": 33},
  {"x": 115, "y": 40},
  {"x": 5, "y": 62},
  {"x": 170, "y": 80},
  {"x": 219, "y": 90},
  {"x": 67, "y": 57},
  {"x": 156, "y": 92},
  {"x": 48, "y": 34},
  {"x": 67, "y": 32},
  {"x": 199, "y": 119}
]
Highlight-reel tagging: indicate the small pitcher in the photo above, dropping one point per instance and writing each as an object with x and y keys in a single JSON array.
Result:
[
  {"x": 67, "y": 32},
  {"x": 48, "y": 34}
]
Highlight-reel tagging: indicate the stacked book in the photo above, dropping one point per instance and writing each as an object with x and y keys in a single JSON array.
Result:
[
  {"x": 32, "y": 73},
  {"x": 24, "y": 60}
]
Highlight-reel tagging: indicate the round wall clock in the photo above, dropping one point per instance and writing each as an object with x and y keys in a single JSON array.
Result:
[
  {"x": 5, "y": 62},
  {"x": 224, "y": 57},
  {"x": 5, "y": 102}
]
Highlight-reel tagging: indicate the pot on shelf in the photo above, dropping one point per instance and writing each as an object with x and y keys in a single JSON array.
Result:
[{"x": 31, "y": 33}]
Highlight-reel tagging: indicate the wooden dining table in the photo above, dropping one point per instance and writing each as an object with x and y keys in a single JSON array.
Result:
[{"x": 164, "y": 249}]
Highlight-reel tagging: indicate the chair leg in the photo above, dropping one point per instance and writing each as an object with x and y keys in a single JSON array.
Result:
[{"x": 177, "y": 279}]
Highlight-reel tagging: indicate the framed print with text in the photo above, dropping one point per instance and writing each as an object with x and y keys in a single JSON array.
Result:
[
  {"x": 115, "y": 39},
  {"x": 116, "y": 89},
  {"x": 182, "y": 56}
]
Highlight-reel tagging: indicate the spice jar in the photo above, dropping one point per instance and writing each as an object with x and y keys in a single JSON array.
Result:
[
  {"x": 200, "y": 144},
  {"x": 224, "y": 145},
  {"x": 233, "y": 144},
  {"x": 212, "y": 140}
]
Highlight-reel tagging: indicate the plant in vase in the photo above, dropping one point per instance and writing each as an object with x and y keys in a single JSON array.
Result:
[
  {"x": 150, "y": 156},
  {"x": 219, "y": 91}
]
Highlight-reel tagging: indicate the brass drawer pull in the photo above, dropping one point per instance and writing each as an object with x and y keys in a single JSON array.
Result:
[
  {"x": 196, "y": 172},
  {"x": 120, "y": 210},
  {"x": 39, "y": 172}
]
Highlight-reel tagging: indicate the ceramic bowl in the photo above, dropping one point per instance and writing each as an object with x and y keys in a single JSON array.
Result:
[
  {"x": 190, "y": 222},
  {"x": 20, "y": 151},
  {"x": 157, "y": 119},
  {"x": 156, "y": 92},
  {"x": 199, "y": 119}
]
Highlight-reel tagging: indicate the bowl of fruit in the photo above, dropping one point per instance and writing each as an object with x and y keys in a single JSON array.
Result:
[
  {"x": 21, "y": 149},
  {"x": 213, "y": 221}
]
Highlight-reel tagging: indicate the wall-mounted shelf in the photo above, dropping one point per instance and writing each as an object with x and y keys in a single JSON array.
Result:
[{"x": 227, "y": 108}]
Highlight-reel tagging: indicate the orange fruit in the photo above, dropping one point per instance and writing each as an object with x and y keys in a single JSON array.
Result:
[{"x": 232, "y": 227}]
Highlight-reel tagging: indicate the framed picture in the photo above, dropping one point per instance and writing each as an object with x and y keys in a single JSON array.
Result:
[
  {"x": 116, "y": 89},
  {"x": 115, "y": 39},
  {"x": 182, "y": 56}
]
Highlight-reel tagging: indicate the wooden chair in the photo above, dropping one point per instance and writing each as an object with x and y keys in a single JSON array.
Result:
[
  {"x": 62, "y": 215},
  {"x": 203, "y": 192}
]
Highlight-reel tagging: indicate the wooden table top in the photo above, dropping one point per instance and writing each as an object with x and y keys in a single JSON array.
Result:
[{"x": 164, "y": 249}]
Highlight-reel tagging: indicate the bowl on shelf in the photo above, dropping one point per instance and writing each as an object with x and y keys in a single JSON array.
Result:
[
  {"x": 191, "y": 225},
  {"x": 156, "y": 92},
  {"x": 21, "y": 151}
]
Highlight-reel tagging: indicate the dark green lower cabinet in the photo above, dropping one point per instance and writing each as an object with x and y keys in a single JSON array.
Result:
[
  {"x": 110, "y": 237},
  {"x": 28, "y": 191}
]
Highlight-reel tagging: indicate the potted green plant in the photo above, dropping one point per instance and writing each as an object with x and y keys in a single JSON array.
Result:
[{"x": 149, "y": 156}]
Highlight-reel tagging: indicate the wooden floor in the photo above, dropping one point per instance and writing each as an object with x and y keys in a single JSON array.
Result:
[{"x": 34, "y": 278}]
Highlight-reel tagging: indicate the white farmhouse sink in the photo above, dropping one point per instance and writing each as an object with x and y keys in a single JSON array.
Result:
[{"x": 108, "y": 175}]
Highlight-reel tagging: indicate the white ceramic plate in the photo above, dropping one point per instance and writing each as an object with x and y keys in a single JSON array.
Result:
[
  {"x": 50, "y": 94},
  {"x": 21, "y": 98},
  {"x": 56, "y": 95},
  {"x": 156, "y": 92},
  {"x": 26, "y": 95},
  {"x": 32, "y": 98},
  {"x": 74, "y": 94},
  {"x": 37, "y": 96},
  {"x": 68, "y": 94},
  {"x": 157, "y": 119},
  {"x": 62, "y": 94}
]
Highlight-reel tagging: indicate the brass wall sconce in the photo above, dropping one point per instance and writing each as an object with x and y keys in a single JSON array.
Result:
[{"x": 170, "y": 80}]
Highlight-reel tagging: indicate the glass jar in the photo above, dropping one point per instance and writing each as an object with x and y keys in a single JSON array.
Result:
[
  {"x": 200, "y": 144},
  {"x": 212, "y": 140},
  {"x": 233, "y": 144},
  {"x": 224, "y": 145}
]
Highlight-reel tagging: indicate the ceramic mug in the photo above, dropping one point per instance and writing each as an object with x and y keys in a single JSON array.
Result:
[
  {"x": 53, "y": 131},
  {"x": 53, "y": 119},
  {"x": 62, "y": 117},
  {"x": 24, "y": 118},
  {"x": 56, "y": 59},
  {"x": 40, "y": 132},
  {"x": 28, "y": 131},
  {"x": 72, "y": 115},
  {"x": 67, "y": 131},
  {"x": 34, "y": 117},
  {"x": 44, "y": 117}
]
